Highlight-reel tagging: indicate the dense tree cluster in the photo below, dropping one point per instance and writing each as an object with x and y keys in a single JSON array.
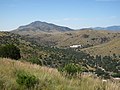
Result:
[
  {"x": 56, "y": 57},
  {"x": 10, "y": 51}
]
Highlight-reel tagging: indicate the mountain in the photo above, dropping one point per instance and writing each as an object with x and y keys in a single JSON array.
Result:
[
  {"x": 39, "y": 26},
  {"x": 112, "y": 28}
]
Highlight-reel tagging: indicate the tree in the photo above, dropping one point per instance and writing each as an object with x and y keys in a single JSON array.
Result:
[
  {"x": 114, "y": 55},
  {"x": 10, "y": 51}
]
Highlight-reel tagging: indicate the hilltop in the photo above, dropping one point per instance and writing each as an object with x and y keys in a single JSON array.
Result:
[{"x": 38, "y": 27}]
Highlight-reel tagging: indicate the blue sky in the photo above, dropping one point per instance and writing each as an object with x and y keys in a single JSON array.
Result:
[{"x": 72, "y": 13}]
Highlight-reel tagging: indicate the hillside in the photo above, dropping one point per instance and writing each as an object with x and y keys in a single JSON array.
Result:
[
  {"x": 86, "y": 38},
  {"x": 10, "y": 38},
  {"x": 110, "y": 48},
  {"x": 66, "y": 39},
  {"x": 32, "y": 52},
  {"x": 39, "y": 26},
  {"x": 48, "y": 34},
  {"x": 58, "y": 57},
  {"x": 48, "y": 78},
  {"x": 48, "y": 56}
]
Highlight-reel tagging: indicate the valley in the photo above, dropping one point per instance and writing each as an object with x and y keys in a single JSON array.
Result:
[
  {"x": 67, "y": 38},
  {"x": 97, "y": 52},
  {"x": 59, "y": 44}
]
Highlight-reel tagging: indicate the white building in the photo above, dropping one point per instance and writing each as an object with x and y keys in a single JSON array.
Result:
[{"x": 76, "y": 46}]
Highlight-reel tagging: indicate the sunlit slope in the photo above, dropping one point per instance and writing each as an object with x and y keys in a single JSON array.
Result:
[
  {"x": 49, "y": 79},
  {"x": 65, "y": 39},
  {"x": 110, "y": 48}
]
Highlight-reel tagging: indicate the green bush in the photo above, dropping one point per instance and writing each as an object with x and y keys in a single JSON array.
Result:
[
  {"x": 101, "y": 73},
  {"x": 116, "y": 75},
  {"x": 26, "y": 79},
  {"x": 10, "y": 51},
  {"x": 72, "y": 69},
  {"x": 35, "y": 60}
]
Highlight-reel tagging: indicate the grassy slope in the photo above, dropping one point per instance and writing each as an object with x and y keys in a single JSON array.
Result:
[
  {"x": 49, "y": 79},
  {"x": 108, "y": 47},
  {"x": 72, "y": 37},
  {"x": 105, "y": 49}
]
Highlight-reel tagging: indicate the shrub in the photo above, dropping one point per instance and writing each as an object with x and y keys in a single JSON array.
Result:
[
  {"x": 101, "y": 73},
  {"x": 35, "y": 60},
  {"x": 72, "y": 69},
  {"x": 85, "y": 36},
  {"x": 26, "y": 79},
  {"x": 10, "y": 51},
  {"x": 116, "y": 75}
]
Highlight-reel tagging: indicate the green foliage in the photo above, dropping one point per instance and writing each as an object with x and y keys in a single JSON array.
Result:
[
  {"x": 72, "y": 69},
  {"x": 26, "y": 79},
  {"x": 2, "y": 81},
  {"x": 35, "y": 60},
  {"x": 10, "y": 51},
  {"x": 102, "y": 73},
  {"x": 116, "y": 75}
]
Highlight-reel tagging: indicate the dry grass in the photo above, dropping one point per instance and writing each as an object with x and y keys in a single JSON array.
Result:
[
  {"x": 105, "y": 49},
  {"x": 49, "y": 79},
  {"x": 108, "y": 47},
  {"x": 2, "y": 34},
  {"x": 71, "y": 37}
]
